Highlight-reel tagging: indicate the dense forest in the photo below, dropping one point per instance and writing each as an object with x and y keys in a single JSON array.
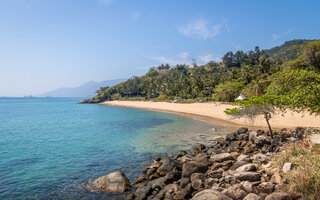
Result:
[{"x": 250, "y": 73}]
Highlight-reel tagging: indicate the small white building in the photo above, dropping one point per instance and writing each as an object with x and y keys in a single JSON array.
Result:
[{"x": 241, "y": 97}]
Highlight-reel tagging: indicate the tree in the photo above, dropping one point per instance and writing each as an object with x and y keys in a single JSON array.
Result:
[
  {"x": 311, "y": 55},
  {"x": 302, "y": 88},
  {"x": 266, "y": 106},
  {"x": 228, "y": 91}
]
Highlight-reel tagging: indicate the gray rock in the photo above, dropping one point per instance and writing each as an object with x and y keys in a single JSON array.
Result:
[
  {"x": 235, "y": 192},
  {"x": 197, "y": 180},
  {"x": 247, "y": 186},
  {"x": 279, "y": 196},
  {"x": 231, "y": 136},
  {"x": 115, "y": 182},
  {"x": 261, "y": 140},
  {"x": 159, "y": 182},
  {"x": 265, "y": 187},
  {"x": 252, "y": 196},
  {"x": 252, "y": 135},
  {"x": 142, "y": 193},
  {"x": 221, "y": 157},
  {"x": 168, "y": 165},
  {"x": 248, "y": 176},
  {"x": 238, "y": 164},
  {"x": 259, "y": 158},
  {"x": 242, "y": 130},
  {"x": 194, "y": 166},
  {"x": 287, "y": 167},
  {"x": 246, "y": 168},
  {"x": 243, "y": 157},
  {"x": 210, "y": 194}
]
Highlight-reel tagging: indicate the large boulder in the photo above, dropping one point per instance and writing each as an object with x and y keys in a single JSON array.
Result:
[
  {"x": 115, "y": 182},
  {"x": 210, "y": 194},
  {"x": 261, "y": 140},
  {"x": 235, "y": 192},
  {"x": 198, "y": 164},
  {"x": 252, "y": 196}
]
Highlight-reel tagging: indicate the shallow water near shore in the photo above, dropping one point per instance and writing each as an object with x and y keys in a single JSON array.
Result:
[{"x": 50, "y": 147}]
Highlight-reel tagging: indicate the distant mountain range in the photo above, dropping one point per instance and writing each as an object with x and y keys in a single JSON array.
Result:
[{"x": 86, "y": 90}]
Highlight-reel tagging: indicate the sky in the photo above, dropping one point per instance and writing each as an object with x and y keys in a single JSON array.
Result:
[{"x": 47, "y": 44}]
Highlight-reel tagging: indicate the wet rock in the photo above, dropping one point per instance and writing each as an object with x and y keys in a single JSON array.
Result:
[
  {"x": 221, "y": 157},
  {"x": 252, "y": 196},
  {"x": 142, "y": 193},
  {"x": 180, "y": 154},
  {"x": 139, "y": 180},
  {"x": 197, "y": 149},
  {"x": 279, "y": 196},
  {"x": 248, "y": 176},
  {"x": 287, "y": 167},
  {"x": 210, "y": 194},
  {"x": 115, "y": 182}
]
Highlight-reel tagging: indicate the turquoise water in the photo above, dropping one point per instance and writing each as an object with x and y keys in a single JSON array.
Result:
[{"x": 50, "y": 147}]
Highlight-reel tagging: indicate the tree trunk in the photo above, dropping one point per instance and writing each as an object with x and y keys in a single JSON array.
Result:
[{"x": 267, "y": 116}]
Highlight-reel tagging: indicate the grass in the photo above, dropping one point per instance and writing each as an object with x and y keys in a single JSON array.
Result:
[{"x": 304, "y": 179}]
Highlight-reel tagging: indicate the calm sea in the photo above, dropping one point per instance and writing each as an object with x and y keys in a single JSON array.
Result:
[{"x": 50, "y": 147}]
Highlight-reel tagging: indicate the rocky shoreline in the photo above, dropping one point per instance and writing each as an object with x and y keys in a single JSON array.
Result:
[{"x": 235, "y": 167}]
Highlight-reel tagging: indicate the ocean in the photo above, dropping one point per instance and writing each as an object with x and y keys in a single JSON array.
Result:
[{"x": 50, "y": 147}]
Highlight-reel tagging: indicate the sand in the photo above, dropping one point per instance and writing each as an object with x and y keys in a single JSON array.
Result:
[{"x": 214, "y": 113}]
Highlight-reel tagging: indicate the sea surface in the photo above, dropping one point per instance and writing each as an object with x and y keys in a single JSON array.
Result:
[{"x": 50, "y": 147}]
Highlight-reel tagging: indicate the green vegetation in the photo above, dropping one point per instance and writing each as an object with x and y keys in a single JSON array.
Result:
[
  {"x": 254, "y": 73},
  {"x": 305, "y": 177}
]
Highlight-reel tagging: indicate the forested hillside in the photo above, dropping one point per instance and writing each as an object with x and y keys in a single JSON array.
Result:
[{"x": 249, "y": 73}]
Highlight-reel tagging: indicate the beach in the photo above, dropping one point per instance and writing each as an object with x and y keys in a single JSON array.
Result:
[{"x": 214, "y": 112}]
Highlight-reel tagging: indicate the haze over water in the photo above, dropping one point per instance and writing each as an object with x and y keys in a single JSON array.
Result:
[{"x": 50, "y": 147}]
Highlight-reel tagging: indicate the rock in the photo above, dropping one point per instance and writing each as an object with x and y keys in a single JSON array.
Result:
[
  {"x": 191, "y": 167},
  {"x": 276, "y": 178},
  {"x": 265, "y": 187},
  {"x": 139, "y": 180},
  {"x": 142, "y": 193},
  {"x": 248, "y": 176},
  {"x": 279, "y": 196},
  {"x": 219, "y": 189},
  {"x": 172, "y": 176},
  {"x": 252, "y": 135},
  {"x": 259, "y": 158},
  {"x": 242, "y": 130},
  {"x": 115, "y": 182},
  {"x": 247, "y": 186},
  {"x": 185, "y": 158},
  {"x": 197, "y": 149},
  {"x": 184, "y": 181},
  {"x": 151, "y": 171},
  {"x": 210, "y": 194},
  {"x": 238, "y": 164},
  {"x": 246, "y": 168},
  {"x": 261, "y": 140},
  {"x": 287, "y": 167},
  {"x": 168, "y": 165},
  {"x": 208, "y": 182},
  {"x": 231, "y": 136},
  {"x": 243, "y": 157},
  {"x": 235, "y": 192},
  {"x": 197, "y": 180},
  {"x": 221, "y": 157},
  {"x": 252, "y": 196},
  {"x": 214, "y": 174},
  {"x": 159, "y": 182},
  {"x": 180, "y": 154}
]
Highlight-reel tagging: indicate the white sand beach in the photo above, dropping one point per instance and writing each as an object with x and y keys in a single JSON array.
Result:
[{"x": 213, "y": 112}]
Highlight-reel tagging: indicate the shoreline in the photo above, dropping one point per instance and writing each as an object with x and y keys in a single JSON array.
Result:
[{"x": 214, "y": 114}]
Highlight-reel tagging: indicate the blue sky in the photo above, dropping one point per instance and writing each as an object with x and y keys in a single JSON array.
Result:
[{"x": 46, "y": 44}]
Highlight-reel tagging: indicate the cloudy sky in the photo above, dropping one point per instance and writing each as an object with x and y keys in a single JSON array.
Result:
[{"x": 46, "y": 44}]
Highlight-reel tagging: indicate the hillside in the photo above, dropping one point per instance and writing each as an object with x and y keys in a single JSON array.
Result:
[
  {"x": 86, "y": 90},
  {"x": 249, "y": 73}
]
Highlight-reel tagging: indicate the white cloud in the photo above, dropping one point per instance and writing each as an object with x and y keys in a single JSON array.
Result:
[
  {"x": 207, "y": 58},
  {"x": 106, "y": 2},
  {"x": 201, "y": 29},
  {"x": 277, "y": 36},
  {"x": 179, "y": 59},
  {"x": 183, "y": 55},
  {"x": 136, "y": 16}
]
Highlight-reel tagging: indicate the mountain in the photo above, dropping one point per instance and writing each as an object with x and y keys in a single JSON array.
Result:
[
  {"x": 290, "y": 50},
  {"x": 86, "y": 90}
]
